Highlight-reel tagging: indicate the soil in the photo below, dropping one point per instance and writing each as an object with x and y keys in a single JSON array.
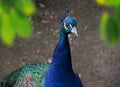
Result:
[{"x": 97, "y": 63}]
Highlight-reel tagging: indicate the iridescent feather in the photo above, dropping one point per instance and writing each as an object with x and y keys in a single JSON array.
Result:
[{"x": 27, "y": 76}]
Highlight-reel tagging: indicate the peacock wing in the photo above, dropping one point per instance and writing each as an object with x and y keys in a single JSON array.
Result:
[{"x": 28, "y": 76}]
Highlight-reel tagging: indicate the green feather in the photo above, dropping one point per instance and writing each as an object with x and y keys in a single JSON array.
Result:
[{"x": 34, "y": 71}]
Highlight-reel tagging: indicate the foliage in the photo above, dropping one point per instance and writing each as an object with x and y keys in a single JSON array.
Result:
[
  {"x": 110, "y": 24},
  {"x": 14, "y": 19}
]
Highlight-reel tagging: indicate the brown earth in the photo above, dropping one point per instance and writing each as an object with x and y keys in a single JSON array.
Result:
[{"x": 98, "y": 64}]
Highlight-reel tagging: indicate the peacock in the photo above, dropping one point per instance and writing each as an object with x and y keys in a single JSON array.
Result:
[{"x": 58, "y": 73}]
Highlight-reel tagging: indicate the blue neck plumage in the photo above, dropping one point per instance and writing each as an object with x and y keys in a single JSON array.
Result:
[{"x": 62, "y": 55}]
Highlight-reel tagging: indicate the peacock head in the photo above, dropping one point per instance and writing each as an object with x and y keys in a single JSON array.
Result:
[{"x": 70, "y": 25}]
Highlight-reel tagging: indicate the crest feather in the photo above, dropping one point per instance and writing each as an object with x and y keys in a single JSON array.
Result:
[{"x": 65, "y": 14}]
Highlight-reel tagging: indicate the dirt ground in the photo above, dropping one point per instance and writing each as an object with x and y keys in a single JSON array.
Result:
[{"x": 98, "y": 64}]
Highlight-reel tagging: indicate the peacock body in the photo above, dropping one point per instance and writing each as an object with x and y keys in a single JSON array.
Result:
[{"x": 59, "y": 73}]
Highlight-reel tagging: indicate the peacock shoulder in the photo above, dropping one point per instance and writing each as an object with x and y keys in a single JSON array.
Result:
[{"x": 32, "y": 75}]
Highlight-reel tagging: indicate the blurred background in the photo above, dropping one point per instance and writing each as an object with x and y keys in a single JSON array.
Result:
[{"x": 97, "y": 62}]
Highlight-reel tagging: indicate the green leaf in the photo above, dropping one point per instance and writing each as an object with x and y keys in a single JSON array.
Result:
[
  {"x": 0, "y": 27},
  {"x": 21, "y": 24},
  {"x": 112, "y": 32},
  {"x": 110, "y": 3},
  {"x": 14, "y": 19},
  {"x": 25, "y": 28},
  {"x": 25, "y": 6},
  {"x": 0, "y": 18},
  {"x": 117, "y": 16},
  {"x": 109, "y": 30},
  {"x": 28, "y": 6},
  {"x": 101, "y": 2},
  {"x": 7, "y": 33},
  {"x": 103, "y": 25}
]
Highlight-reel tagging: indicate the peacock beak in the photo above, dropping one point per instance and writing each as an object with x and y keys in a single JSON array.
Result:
[{"x": 74, "y": 31}]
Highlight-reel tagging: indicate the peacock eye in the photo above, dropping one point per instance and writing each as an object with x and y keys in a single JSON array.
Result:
[{"x": 67, "y": 25}]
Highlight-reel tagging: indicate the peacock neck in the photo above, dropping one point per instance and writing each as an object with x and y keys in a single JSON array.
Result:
[
  {"x": 62, "y": 54},
  {"x": 61, "y": 63}
]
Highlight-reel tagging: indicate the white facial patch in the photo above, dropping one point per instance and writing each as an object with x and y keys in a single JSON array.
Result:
[
  {"x": 65, "y": 26},
  {"x": 71, "y": 26}
]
